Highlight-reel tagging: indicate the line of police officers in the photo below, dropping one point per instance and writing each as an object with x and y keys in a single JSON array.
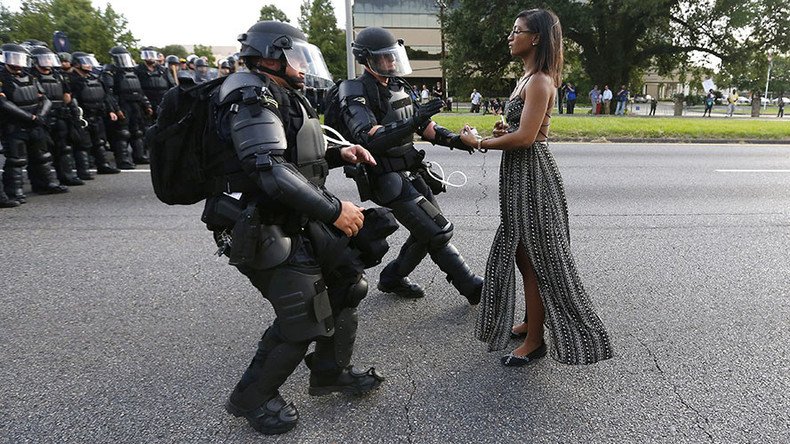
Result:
[{"x": 62, "y": 111}]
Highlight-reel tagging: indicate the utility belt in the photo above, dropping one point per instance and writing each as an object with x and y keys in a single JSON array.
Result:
[
  {"x": 406, "y": 161},
  {"x": 132, "y": 96}
]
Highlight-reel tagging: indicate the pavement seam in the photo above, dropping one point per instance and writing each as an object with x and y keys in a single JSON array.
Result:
[
  {"x": 483, "y": 186},
  {"x": 407, "y": 407},
  {"x": 677, "y": 391}
]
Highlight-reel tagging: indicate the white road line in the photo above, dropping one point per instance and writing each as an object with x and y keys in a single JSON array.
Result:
[
  {"x": 135, "y": 171},
  {"x": 753, "y": 171}
]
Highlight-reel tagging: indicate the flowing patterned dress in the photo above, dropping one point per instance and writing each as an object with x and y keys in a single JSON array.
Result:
[{"x": 534, "y": 212}]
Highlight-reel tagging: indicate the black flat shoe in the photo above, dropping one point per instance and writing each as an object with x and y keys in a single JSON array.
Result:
[
  {"x": 514, "y": 335},
  {"x": 512, "y": 360},
  {"x": 274, "y": 417}
]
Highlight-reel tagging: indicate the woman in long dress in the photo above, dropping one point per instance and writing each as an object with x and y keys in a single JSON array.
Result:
[{"x": 534, "y": 218}]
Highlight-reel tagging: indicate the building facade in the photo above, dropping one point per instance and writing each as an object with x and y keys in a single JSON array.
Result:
[{"x": 414, "y": 21}]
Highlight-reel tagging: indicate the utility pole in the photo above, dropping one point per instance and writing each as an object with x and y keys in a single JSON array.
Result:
[
  {"x": 349, "y": 38},
  {"x": 442, "y": 7},
  {"x": 768, "y": 79}
]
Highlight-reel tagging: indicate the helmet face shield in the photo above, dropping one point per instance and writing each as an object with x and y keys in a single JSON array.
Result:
[
  {"x": 149, "y": 55},
  {"x": 307, "y": 59},
  {"x": 123, "y": 60},
  {"x": 389, "y": 62},
  {"x": 14, "y": 58},
  {"x": 88, "y": 60},
  {"x": 47, "y": 60}
]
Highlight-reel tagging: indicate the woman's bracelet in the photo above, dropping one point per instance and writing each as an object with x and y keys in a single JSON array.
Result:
[{"x": 479, "y": 144}]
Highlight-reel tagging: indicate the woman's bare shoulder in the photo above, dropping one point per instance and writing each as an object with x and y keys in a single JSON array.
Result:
[{"x": 541, "y": 80}]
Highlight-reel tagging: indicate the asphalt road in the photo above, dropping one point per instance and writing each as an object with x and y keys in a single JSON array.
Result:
[{"x": 118, "y": 325}]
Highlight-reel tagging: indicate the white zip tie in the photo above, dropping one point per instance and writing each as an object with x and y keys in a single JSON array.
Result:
[
  {"x": 445, "y": 179},
  {"x": 340, "y": 139}
]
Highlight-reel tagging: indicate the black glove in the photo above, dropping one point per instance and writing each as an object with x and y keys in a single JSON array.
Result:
[{"x": 422, "y": 117}]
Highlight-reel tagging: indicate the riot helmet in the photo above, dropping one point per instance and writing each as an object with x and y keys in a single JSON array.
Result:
[
  {"x": 171, "y": 60},
  {"x": 84, "y": 61},
  {"x": 16, "y": 58},
  {"x": 32, "y": 43},
  {"x": 149, "y": 54},
  {"x": 44, "y": 58},
  {"x": 281, "y": 41},
  {"x": 121, "y": 57},
  {"x": 378, "y": 49}
]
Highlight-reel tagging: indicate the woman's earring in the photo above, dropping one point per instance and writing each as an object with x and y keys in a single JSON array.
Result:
[{"x": 534, "y": 43}]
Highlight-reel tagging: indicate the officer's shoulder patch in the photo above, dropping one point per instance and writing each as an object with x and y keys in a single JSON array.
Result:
[{"x": 267, "y": 99}]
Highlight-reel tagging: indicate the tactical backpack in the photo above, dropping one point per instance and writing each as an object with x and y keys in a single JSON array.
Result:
[{"x": 186, "y": 154}]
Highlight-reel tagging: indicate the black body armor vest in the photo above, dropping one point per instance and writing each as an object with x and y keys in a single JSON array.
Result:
[
  {"x": 24, "y": 93},
  {"x": 128, "y": 87},
  {"x": 399, "y": 107},
  {"x": 53, "y": 88},
  {"x": 92, "y": 94},
  {"x": 310, "y": 149}
]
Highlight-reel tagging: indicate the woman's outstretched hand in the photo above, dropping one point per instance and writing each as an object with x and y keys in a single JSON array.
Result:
[
  {"x": 500, "y": 129},
  {"x": 468, "y": 137}
]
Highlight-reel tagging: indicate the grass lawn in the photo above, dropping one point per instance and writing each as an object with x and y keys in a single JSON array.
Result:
[{"x": 588, "y": 127}]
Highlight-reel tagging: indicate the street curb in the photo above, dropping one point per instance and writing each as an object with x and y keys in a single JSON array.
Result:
[{"x": 672, "y": 140}]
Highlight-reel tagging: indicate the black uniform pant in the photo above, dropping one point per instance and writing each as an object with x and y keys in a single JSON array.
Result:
[
  {"x": 61, "y": 147},
  {"x": 427, "y": 230},
  {"x": 94, "y": 137},
  {"x": 126, "y": 135},
  {"x": 278, "y": 355},
  {"x": 27, "y": 147}
]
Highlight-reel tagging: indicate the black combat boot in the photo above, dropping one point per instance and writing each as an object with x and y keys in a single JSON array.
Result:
[
  {"x": 327, "y": 377},
  {"x": 83, "y": 165},
  {"x": 273, "y": 417},
  {"x": 390, "y": 282},
  {"x": 459, "y": 275},
  {"x": 5, "y": 202}
]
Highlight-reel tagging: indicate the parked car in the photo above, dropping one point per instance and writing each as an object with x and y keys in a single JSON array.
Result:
[
  {"x": 786, "y": 100},
  {"x": 743, "y": 100},
  {"x": 639, "y": 98}
]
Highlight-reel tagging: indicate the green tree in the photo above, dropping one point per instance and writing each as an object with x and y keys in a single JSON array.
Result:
[
  {"x": 176, "y": 50},
  {"x": 205, "y": 51},
  {"x": 271, "y": 12},
  {"x": 89, "y": 29},
  {"x": 318, "y": 22},
  {"x": 6, "y": 24},
  {"x": 618, "y": 38}
]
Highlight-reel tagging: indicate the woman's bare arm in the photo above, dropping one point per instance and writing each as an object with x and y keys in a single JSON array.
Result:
[{"x": 537, "y": 94}]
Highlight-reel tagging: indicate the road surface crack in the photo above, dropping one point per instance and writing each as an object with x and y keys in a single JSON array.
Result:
[
  {"x": 700, "y": 418},
  {"x": 407, "y": 407},
  {"x": 483, "y": 187}
]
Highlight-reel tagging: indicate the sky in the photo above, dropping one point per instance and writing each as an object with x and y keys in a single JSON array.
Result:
[{"x": 165, "y": 22}]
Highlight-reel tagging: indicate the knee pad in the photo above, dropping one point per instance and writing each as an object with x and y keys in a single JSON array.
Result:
[
  {"x": 42, "y": 157},
  {"x": 301, "y": 302},
  {"x": 137, "y": 134},
  {"x": 124, "y": 134},
  {"x": 424, "y": 221},
  {"x": 16, "y": 162},
  {"x": 387, "y": 187},
  {"x": 356, "y": 292}
]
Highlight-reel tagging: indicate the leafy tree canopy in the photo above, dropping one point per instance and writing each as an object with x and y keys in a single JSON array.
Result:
[
  {"x": 205, "y": 51},
  {"x": 318, "y": 22},
  {"x": 176, "y": 50},
  {"x": 617, "y": 39},
  {"x": 89, "y": 29},
  {"x": 271, "y": 12}
]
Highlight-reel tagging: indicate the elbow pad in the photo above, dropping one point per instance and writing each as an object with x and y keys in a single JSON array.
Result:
[
  {"x": 259, "y": 137},
  {"x": 450, "y": 139},
  {"x": 393, "y": 134},
  {"x": 10, "y": 109},
  {"x": 284, "y": 183}
]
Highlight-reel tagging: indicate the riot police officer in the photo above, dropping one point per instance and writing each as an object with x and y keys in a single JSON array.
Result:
[
  {"x": 153, "y": 77},
  {"x": 87, "y": 88},
  {"x": 24, "y": 108},
  {"x": 124, "y": 87},
  {"x": 46, "y": 66},
  {"x": 292, "y": 238},
  {"x": 173, "y": 66},
  {"x": 380, "y": 115}
]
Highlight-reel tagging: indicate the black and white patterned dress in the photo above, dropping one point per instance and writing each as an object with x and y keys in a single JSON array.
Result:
[{"x": 534, "y": 212}]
